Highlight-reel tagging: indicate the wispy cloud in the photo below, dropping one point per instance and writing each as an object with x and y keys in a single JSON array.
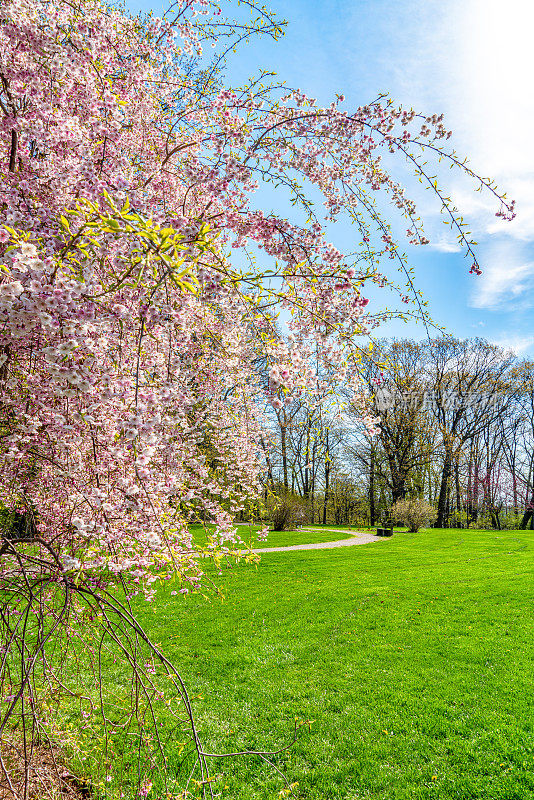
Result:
[
  {"x": 507, "y": 283},
  {"x": 519, "y": 344},
  {"x": 444, "y": 246}
]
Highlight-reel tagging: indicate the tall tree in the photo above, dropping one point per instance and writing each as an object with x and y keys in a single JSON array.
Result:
[{"x": 470, "y": 382}]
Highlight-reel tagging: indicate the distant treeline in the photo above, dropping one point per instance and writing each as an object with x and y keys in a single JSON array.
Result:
[{"x": 456, "y": 428}]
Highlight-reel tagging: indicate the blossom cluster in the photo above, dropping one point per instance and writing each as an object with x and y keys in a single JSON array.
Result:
[{"x": 118, "y": 427}]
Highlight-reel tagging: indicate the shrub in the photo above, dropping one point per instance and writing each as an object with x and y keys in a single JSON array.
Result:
[
  {"x": 286, "y": 511},
  {"x": 413, "y": 513}
]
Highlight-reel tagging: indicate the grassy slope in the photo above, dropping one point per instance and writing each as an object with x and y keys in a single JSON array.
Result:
[{"x": 414, "y": 656}]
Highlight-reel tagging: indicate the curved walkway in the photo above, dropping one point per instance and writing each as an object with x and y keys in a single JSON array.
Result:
[{"x": 357, "y": 538}]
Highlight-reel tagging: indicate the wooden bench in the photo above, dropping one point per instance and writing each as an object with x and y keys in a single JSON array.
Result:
[{"x": 384, "y": 531}]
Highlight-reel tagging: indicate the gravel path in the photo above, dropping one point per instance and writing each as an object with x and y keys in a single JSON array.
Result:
[{"x": 357, "y": 538}]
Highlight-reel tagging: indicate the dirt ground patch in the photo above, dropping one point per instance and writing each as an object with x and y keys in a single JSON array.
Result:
[{"x": 47, "y": 777}]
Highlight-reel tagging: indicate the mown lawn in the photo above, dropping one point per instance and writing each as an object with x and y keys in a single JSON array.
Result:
[
  {"x": 316, "y": 534},
  {"x": 414, "y": 657}
]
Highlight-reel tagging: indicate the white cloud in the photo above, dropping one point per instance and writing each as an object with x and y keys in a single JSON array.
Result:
[
  {"x": 445, "y": 246},
  {"x": 519, "y": 344},
  {"x": 494, "y": 77},
  {"x": 507, "y": 282},
  {"x": 474, "y": 61},
  {"x": 521, "y": 188}
]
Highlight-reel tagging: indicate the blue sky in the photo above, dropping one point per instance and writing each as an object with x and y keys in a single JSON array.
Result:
[{"x": 473, "y": 60}]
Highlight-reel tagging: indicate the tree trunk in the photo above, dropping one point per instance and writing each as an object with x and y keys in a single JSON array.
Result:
[
  {"x": 14, "y": 150},
  {"x": 326, "y": 479},
  {"x": 270, "y": 476},
  {"x": 398, "y": 488},
  {"x": 443, "y": 491},
  {"x": 306, "y": 487},
  {"x": 312, "y": 483},
  {"x": 398, "y": 479},
  {"x": 372, "y": 509},
  {"x": 458, "y": 495},
  {"x": 529, "y": 507},
  {"x": 326, "y": 486},
  {"x": 284, "y": 455},
  {"x": 528, "y": 516},
  {"x": 469, "y": 506},
  {"x": 495, "y": 515}
]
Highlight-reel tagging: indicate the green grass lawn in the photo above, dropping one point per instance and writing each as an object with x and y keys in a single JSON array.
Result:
[
  {"x": 319, "y": 533},
  {"x": 414, "y": 657}
]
